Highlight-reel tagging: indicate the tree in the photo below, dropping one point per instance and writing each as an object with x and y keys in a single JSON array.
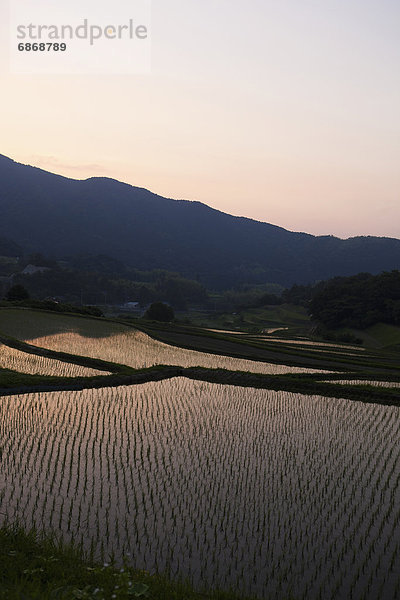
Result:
[
  {"x": 17, "y": 292},
  {"x": 158, "y": 311},
  {"x": 358, "y": 301}
]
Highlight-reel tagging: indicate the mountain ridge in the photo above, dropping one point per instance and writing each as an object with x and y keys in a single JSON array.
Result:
[{"x": 60, "y": 216}]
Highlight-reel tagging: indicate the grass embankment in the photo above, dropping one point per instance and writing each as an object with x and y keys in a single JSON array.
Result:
[
  {"x": 380, "y": 336},
  {"x": 34, "y": 567},
  {"x": 300, "y": 384},
  {"x": 13, "y": 382},
  {"x": 28, "y": 324}
]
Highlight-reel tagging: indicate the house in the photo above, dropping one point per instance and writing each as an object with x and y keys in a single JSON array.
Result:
[
  {"x": 32, "y": 269},
  {"x": 134, "y": 306}
]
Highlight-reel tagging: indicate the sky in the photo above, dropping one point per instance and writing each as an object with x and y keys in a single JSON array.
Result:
[{"x": 285, "y": 111}]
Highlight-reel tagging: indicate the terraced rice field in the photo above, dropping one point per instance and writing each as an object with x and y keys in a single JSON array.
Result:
[
  {"x": 392, "y": 384},
  {"x": 269, "y": 492},
  {"x": 16, "y": 360},
  {"x": 120, "y": 344},
  {"x": 322, "y": 345}
]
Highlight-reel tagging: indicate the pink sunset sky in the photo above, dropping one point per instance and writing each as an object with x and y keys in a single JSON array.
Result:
[{"x": 286, "y": 111}]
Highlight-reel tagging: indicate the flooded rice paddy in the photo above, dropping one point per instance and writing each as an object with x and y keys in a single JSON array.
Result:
[
  {"x": 307, "y": 342},
  {"x": 271, "y": 493},
  {"x": 375, "y": 383},
  {"x": 16, "y": 360},
  {"x": 121, "y": 344},
  {"x": 136, "y": 349}
]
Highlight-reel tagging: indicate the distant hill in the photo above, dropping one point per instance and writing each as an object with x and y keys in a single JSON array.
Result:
[{"x": 57, "y": 216}]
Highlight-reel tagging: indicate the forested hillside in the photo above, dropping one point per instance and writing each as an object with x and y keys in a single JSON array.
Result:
[{"x": 59, "y": 217}]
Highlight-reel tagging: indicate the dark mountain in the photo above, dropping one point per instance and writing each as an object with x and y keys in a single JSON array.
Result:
[
  {"x": 59, "y": 217},
  {"x": 9, "y": 248}
]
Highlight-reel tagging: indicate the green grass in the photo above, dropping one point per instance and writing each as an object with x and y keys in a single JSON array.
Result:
[
  {"x": 284, "y": 315},
  {"x": 13, "y": 382},
  {"x": 27, "y": 324},
  {"x": 36, "y": 567},
  {"x": 13, "y": 379},
  {"x": 253, "y": 320},
  {"x": 380, "y": 335}
]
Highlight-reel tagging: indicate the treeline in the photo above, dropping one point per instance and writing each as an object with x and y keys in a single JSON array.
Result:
[
  {"x": 247, "y": 297},
  {"x": 103, "y": 280},
  {"x": 58, "y": 307},
  {"x": 357, "y": 301}
]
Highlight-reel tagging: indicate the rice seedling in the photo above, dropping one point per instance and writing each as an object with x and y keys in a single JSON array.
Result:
[
  {"x": 271, "y": 493},
  {"x": 305, "y": 342},
  {"x": 33, "y": 364},
  {"x": 375, "y": 383}
]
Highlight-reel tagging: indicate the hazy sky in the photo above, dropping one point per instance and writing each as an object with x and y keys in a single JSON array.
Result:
[{"x": 287, "y": 111}]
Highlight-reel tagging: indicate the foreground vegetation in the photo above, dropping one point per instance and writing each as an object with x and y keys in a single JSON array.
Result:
[{"x": 36, "y": 567}]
